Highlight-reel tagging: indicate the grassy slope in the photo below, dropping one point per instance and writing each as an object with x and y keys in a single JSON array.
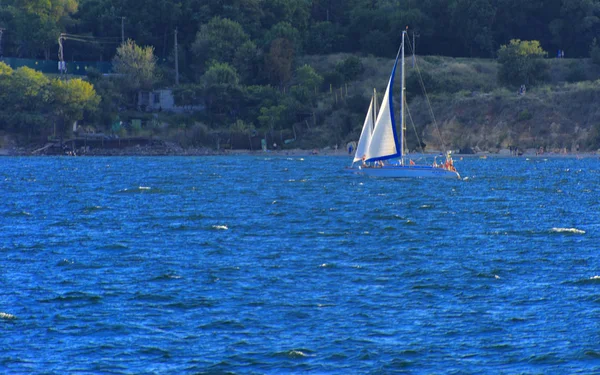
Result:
[{"x": 472, "y": 110}]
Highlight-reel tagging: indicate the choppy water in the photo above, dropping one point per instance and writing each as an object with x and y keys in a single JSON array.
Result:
[{"x": 288, "y": 265}]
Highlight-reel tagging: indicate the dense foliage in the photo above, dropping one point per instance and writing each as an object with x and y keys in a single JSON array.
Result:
[
  {"x": 242, "y": 60},
  {"x": 32, "y": 104},
  {"x": 522, "y": 62},
  {"x": 474, "y": 28}
]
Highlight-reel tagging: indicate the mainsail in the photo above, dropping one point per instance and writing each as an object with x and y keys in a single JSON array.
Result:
[{"x": 384, "y": 143}]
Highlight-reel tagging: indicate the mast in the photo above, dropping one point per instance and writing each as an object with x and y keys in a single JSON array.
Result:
[
  {"x": 374, "y": 107},
  {"x": 402, "y": 90}
]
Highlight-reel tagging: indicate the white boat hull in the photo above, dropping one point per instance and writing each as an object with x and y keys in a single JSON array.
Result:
[{"x": 413, "y": 171}]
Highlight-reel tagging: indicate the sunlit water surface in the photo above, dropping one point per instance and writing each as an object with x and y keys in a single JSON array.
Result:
[{"x": 290, "y": 265}]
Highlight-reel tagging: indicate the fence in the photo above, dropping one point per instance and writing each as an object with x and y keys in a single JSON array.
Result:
[{"x": 51, "y": 66}]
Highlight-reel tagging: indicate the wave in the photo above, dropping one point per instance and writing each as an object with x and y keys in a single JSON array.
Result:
[
  {"x": 154, "y": 350},
  {"x": 75, "y": 297},
  {"x": 567, "y": 230},
  {"x": 114, "y": 246},
  {"x": 18, "y": 214},
  {"x": 592, "y": 353},
  {"x": 91, "y": 209},
  {"x": 167, "y": 276},
  {"x": 296, "y": 353},
  {"x": 226, "y": 324},
  {"x": 220, "y": 227},
  {"x": 7, "y": 316},
  {"x": 140, "y": 189}
]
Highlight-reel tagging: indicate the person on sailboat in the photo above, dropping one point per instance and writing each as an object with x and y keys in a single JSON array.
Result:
[{"x": 449, "y": 164}]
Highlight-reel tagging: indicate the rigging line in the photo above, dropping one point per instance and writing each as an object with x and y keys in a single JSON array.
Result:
[
  {"x": 91, "y": 38},
  {"x": 437, "y": 128},
  {"x": 414, "y": 128},
  {"x": 91, "y": 41}
]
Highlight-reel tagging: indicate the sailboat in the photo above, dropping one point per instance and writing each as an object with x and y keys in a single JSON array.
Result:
[{"x": 380, "y": 149}]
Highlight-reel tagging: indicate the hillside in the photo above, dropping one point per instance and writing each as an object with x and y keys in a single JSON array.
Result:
[{"x": 471, "y": 109}]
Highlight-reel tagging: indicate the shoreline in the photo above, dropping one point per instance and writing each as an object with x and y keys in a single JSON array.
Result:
[
  {"x": 171, "y": 149},
  {"x": 279, "y": 153}
]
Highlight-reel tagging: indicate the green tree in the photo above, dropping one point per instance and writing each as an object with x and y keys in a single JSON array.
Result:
[
  {"x": 72, "y": 99},
  {"x": 297, "y": 13},
  {"x": 218, "y": 40},
  {"x": 222, "y": 92},
  {"x": 5, "y": 70},
  {"x": 471, "y": 20},
  {"x": 284, "y": 30},
  {"x": 306, "y": 76},
  {"x": 29, "y": 88},
  {"x": 5, "y": 90},
  {"x": 522, "y": 62},
  {"x": 137, "y": 67},
  {"x": 221, "y": 74},
  {"x": 279, "y": 61},
  {"x": 324, "y": 38},
  {"x": 350, "y": 68},
  {"x": 246, "y": 62},
  {"x": 111, "y": 98},
  {"x": 256, "y": 97},
  {"x": 24, "y": 103},
  {"x": 36, "y": 24},
  {"x": 187, "y": 95},
  {"x": 577, "y": 24},
  {"x": 271, "y": 117}
]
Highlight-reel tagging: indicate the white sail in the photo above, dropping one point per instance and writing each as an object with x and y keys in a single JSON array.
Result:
[
  {"x": 383, "y": 141},
  {"x": 365, "y": 135}
]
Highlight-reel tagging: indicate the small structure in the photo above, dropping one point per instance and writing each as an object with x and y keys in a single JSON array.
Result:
[{"x": 162, "y": 100}]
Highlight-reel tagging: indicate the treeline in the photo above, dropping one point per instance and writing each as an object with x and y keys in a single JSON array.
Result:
[
  {"x": 241, "y": 59},
  {"x": 469, "y": 28}
]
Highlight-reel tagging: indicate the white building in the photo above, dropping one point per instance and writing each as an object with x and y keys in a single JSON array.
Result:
[{"x": 162, "y": 100}]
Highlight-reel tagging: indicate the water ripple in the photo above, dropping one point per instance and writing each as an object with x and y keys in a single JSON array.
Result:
[{"x": 270, "y": 264}]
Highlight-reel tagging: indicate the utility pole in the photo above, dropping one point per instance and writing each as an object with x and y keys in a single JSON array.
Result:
[
  {"x": 176, "y": 60},
  {"x": 62, "y": 67},
  {"x": 122, "y": 29},
  {"x": 414, "y": 46},
  {"x": 1, "y": 31}
]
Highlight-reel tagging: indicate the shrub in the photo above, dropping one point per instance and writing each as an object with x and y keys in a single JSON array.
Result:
[
  {"x": 524, "y": 115},
  {"x": 413, "y": 84},
  {"x": 333, "y": 78},
  {"x": 350, "y": 68},
  {"x": 576, "y": 73},
  {"x": 521, "y": 62}
]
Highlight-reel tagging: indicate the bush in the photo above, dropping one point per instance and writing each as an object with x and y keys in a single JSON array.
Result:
[
  {"x": 524, "y": 115},
  {"x": 576, "y": 73},
  {"x": 521, "y": 62},
  {"x": 413, "y": 83},
  {"x": 350, "y": 68},
  {"x": 333, "y": 78}
]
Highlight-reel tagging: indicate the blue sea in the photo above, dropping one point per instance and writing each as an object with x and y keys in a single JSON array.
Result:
[{"x": 287, "y": 265}]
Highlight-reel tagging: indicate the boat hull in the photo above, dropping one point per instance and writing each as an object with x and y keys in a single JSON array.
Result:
[{"x": 398, "y": 171}]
